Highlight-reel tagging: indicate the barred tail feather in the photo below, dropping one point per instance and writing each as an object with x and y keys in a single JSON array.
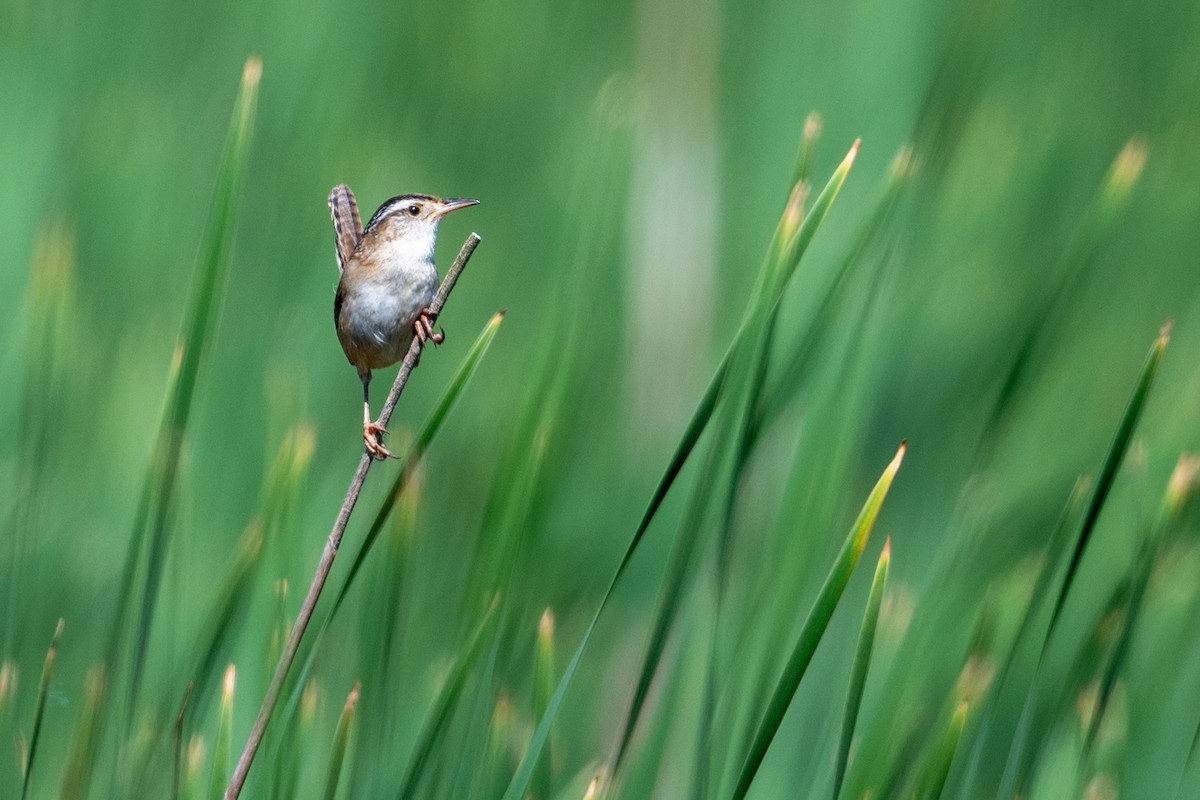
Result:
[{"x": 347, "y": 227}]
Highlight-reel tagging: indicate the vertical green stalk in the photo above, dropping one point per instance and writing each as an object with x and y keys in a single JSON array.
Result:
[
  {"x": 341, "y": 738},
  {"x": 543, "y": 689},
  {"x": 223, "y": 741},
  {"x": 40, "y": 711},
  {"x": 862, "y": 663},
  {"x": 814, "y": 627},
  {"x": 83, "y": 745}
]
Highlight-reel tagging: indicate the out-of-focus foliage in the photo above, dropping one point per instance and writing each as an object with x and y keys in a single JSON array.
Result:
[{"x": 994, "y": 308}]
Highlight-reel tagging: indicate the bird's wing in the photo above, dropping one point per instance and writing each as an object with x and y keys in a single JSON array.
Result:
[{"x": 347, "y": 227}]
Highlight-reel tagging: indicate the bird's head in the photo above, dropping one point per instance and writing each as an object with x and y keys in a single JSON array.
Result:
[{"x": 413, "y": 216}]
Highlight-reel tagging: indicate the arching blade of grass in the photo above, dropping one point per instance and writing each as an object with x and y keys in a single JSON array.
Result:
[
  {"x": 814, "y": 627},
  {"x": 149, "y": 540},
  {"x": 341, "y": 738},
  {"x": 1016, "y": 771},
  {"x": 425, "y": 437},
  {"x": 862, "y": 663},
  {"x": 440, "y": 713},
  {"x": 40, "y": 711},
  {"x": 746, "y": 356}
]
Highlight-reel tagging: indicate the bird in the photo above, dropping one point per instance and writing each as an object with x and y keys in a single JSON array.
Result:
[{"x": 387, "y": 282}]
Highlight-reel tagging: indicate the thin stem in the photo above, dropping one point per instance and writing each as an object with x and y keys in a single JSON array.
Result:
[{"x": 335, "y": 537}]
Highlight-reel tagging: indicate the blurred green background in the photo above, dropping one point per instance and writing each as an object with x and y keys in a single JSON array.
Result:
[{"x": 632, "y": 160}]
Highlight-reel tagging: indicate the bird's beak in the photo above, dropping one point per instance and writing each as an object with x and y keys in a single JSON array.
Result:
[{"x": 453, "y": 204}]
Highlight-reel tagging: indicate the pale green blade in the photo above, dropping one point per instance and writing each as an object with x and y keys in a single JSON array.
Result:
[{"x": 814, "y": 627}]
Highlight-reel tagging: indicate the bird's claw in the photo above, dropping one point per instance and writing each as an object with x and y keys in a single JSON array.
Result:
[
  {"x": 373, "y": 440},
  {"x": 423, "y": 325}
]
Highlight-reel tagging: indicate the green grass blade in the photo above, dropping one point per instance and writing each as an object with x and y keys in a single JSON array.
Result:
[
  {"x": 862, "y": 663},
  {"x": 543, "y": 688},
  {"x": 177, "y": 776},
  {"x": 223, "y": 741},
  {"x": 1179, "y": 487},
  {"x": 440, "y": 713},
  {"x": 814, "y": 627},
  {"x": 341, "y": 738},
  {"x": 40, "y": 712},
  {"x": 1040, "y": 595},
  {"x": 83, "y": 746},
  {"x": 235, "y": 593},
  {"x": 933, "y": 778},
  {"x": 1108, "y": 473},
  {"x": 290, "y": 759},
  {"x": 1097, "y": 222},
  {"x": 795, "y": 365},
  {"x": 808, "y": 145},
  {"x": 215, "y": 256}
]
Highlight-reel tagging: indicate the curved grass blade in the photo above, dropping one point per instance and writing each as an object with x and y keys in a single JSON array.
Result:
[
  {"x": 223, "y": 742},
  {"x": 862, "y": 663},
  {"x": 814, "y": 627},
  {"x": 341, "y": 737},
  {"x": 40, "y": 711},
  {"x": 792, "y": 237},
  {"x": 150, "y": 529}
]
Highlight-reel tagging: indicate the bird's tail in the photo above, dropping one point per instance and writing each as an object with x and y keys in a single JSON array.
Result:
[{"x": 347, "y": 227}]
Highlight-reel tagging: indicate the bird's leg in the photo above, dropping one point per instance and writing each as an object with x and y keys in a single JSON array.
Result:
[
  {"x": 372, "y": 431},
  {"x": 423, "y": 325}
]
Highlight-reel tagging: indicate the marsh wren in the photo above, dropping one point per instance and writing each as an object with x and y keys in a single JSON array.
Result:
[{"x": 388, "y": 279}]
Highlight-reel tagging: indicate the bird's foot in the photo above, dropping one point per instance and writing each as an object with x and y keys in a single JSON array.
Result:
[
  {"x": 373, "y": 439},
  {"x": 423, "y": 325}
]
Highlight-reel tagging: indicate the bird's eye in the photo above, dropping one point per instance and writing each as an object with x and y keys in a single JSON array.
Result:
[{"x": 413, "y": 210}]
